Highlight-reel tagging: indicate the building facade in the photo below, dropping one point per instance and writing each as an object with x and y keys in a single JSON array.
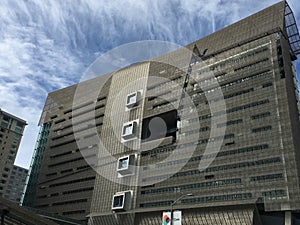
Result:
[
  {"x": 214, "y": 125},
  {"x": 11, "y": 131},
  {"x": 16, "y": 184},
  {"x": 60, "y": 180}
]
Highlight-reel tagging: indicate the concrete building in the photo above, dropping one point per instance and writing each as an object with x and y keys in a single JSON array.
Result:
[
  {"x": 16, "y": 184},
  {"x": 213, "y": 127},
  {"x": 60, "y": 179},
  {"x": 11, "y": 131},
  {"x": 13, "y": 214}
]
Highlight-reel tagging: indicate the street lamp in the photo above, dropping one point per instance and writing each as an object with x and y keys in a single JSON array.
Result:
[{"x": 174, "y": 202}]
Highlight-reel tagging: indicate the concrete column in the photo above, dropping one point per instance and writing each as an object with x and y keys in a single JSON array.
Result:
[{"x": 288, "y": 218}]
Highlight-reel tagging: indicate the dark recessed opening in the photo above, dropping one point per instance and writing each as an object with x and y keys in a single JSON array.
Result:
[
  {"x": 160, "y": 126},
  {"x": 118, "y": 201},
  {"x": 208, "y": 177}
]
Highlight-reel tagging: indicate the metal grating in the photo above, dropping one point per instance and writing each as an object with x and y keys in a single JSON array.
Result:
[{"x": 292, "y": 30}]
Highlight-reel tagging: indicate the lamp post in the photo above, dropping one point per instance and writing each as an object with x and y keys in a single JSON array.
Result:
[{"x": 174, "y": 202}]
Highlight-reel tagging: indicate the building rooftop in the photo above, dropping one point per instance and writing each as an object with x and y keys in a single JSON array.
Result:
[
  {"x": 12, "y": 116},
  {"x": 251, "y": 28}
]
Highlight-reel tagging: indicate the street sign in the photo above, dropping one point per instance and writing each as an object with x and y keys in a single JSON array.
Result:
[
  {"x": 166, "y": 220},
  {"x": 177, "y": 215}
]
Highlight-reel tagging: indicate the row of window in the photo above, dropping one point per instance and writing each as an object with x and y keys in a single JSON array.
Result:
[
  {"x": 223, "y": 85},
  {"x": 164, "y": 84},
  {"x": 234, "y": 60},
  {"x": 72, "y": 160},
  {"x": 261, "y": 129},
  {"x": 160, "y": 95},
  {"x": 267, "y": 177},
  {"x": 164, "y": 104},
  {"x": 67, "y": 161},
  {"x": 158, "y": 150},
  {"x": 61, "y": 154},
  {"x": 274, "y": 193},
  {"x": 267, "y": 85},
  {"x": 260, "y": 115},
  {"x": 191, "y": 132},
  {"x": 18, "y": 128},
  {"x": 66, "y": 171},
  {"x": 238, "y": 93},
  {"x": 232, "y": 110},
  {"x": 251, "y": 65},
  {"x": 232, "y": 197},
  {"x": 62, "y": 144},
  {"x": 229, "y": 123},
  {"x": 68, "y": 192},
  {"x": 69, "y": 202},
  {"x": 250, "y": 105},
  {"x": 73, "y": 212},
  {"x": 86, "y": 111},
  {"x": 218, "y": 138},
  {"x": 214, "y": 198},
  {"x": 217, "y": 168},
  {"x": 79, "y": 114},
  {"x": 216, "y": 183},
  {"x": 63, "y": 136},
  {"x": 78, "y": 190},
  {"x": 240, "y": 58},
  {"x": 78, "y": 107},
  {"x": 72, "y": 181},
  {"x": 219, "y": 198},
  {"x": 71, "y": 141},
  {"x": 219, "y": 154},
  {"x": 263, "y": 73},
  {"x": 59, "y": 121},
  {"x": 82, "y": 105}
]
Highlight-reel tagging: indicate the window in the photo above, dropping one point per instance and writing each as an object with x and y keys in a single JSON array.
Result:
[
  {"x": 132, "y": 100},
  {"x": 217, "y": 168},
  {"x": 4, "y": 124},
  {"x": 70, "y": 182},
  {"x": 261, "y": 115},
  {"x": 70, "y": 202},
  {"x": 126, "y": 165},
  {"x": 18, "y": 129},
  {"x": 267, "y": 85},
  {"x": 74, "y": 212},
  {"x": 261, "y": 129},
  {"x": 122, "y": 201},
  {"x": 129, "y": 129},
  {"x": 10, "y": 157},
  {"x": 123, "y": 163},
  {"x": 78, "y": 190},
  {"x": 118, "y": 201}
]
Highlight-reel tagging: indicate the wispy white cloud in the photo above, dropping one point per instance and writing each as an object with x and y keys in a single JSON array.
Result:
[{"x": 47, "y": 44}]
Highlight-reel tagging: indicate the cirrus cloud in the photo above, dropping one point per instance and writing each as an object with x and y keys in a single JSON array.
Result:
[{"x": 46, "y": 45}]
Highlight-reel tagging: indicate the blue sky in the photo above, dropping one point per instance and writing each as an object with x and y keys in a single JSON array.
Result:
[{"x": 46, "y": 45}]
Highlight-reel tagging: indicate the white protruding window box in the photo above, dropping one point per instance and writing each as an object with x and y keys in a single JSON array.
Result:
[
  {"x": 122, "y": 201},
  {"x": 130, "y": 130},
  {"x": 126, "y": 165},
  {"x": 133, "y": 99}
]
